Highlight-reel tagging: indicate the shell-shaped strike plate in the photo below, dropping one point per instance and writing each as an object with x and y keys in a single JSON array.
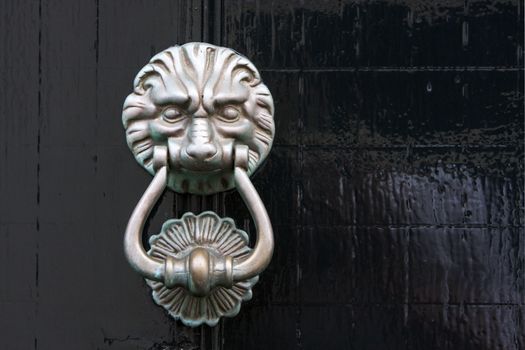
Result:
[{"x": 178, "y": 238}]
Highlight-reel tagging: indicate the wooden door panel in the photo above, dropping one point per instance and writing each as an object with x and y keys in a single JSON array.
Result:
[{"x": 395, "y": 184}]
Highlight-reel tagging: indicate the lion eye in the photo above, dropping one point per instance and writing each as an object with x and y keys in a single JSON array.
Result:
[
  {"x": 229, "y": 114},
  {"x": 172, "y": 115}
]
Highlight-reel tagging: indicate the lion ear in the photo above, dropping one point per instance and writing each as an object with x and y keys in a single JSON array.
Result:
[
  {"x": 135, "y": 108},
  {"x": 264, "y": 118}
]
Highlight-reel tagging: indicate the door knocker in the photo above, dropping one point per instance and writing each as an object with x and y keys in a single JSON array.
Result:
[{"x": 200, "y": 120}]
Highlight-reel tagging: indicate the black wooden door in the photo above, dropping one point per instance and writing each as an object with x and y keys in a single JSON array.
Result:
[{"x": 395, "y": 184}]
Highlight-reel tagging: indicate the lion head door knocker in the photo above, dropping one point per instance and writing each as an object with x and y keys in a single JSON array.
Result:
[{"x": 201, "y": 121}]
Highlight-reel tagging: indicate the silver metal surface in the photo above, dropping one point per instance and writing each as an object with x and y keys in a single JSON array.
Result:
[
  {"x": 201, "y": 121},
  {"x": 199, "y": 100}
]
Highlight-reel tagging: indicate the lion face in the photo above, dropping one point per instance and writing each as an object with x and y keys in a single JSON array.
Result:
[{"x": 200, "y": 100}]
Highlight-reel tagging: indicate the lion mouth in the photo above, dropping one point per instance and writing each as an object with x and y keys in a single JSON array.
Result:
[
  {"x": 191, "y": 165},
  {"x": 201, "y": 171}
]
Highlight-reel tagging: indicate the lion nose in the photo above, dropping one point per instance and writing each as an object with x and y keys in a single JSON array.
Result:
[
  {"x": 200, "y": 135},
  {"x": 201, "y": 151}
]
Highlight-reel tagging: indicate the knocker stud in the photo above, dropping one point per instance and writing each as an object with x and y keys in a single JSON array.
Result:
[{"x": 201, "y": 121}]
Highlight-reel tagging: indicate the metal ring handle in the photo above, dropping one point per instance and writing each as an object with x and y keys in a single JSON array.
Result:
[
  {"x": 200, "y": 271},
  {"x": 139, "y": 260},
  {"x": 243, "y": 269},
  {"x": 260, "y": 257}
]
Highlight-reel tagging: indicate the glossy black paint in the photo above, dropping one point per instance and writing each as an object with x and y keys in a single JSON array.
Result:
[{"x": 395, "y": 184}]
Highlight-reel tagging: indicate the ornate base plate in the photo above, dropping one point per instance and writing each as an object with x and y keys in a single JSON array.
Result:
[{"x": 178, "y": 238}]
